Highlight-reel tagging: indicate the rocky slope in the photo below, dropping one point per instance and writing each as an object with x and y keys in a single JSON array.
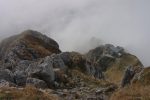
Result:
[{"x": 33, "y": 60}]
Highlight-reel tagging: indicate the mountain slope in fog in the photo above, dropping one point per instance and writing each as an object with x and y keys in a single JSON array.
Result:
[{"x": 32, "y": 63}]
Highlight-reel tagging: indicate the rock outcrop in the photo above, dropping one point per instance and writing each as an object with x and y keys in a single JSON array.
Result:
[
  {"x": 103, "y": 56},
  {"x": 31, "y": 58},
  {"x": 28, "y": 45}
]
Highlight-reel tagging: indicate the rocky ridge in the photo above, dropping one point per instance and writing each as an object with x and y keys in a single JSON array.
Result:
[{"x": 33, "y": 59}]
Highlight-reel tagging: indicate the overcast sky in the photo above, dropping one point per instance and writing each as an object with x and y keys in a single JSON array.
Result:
[{"x": 82, "y": 24}]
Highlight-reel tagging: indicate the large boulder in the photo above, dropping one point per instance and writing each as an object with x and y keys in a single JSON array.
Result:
[
  {"x": 104, "y": 55},
  {"x": 28, "y": 45}
]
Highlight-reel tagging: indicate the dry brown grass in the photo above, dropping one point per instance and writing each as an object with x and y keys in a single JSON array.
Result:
[
  {"x": 90, "y": 80},
  {"x": 115, "y": 72},
  {"x": 145, "y": 76},
  {"x": 28, "y": 93},
  {"x": 133, "y": 92},
  {"x": 138, "y": 90}
]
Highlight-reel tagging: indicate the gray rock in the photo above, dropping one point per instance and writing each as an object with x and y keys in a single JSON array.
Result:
[
  {"x": 94, "y": 70},
  {"x": 42, "y": 70},
  {"x": 23, "y": 65},
  {"x": 20, "y": 75},
  {"x": 20, "y": 78},
  {"x": 104, "y": 62},
  {"x": 6, "y": 75},
  {"x": 98, "y": 73},
  {"x": 4, "y": 83},
  {"x": 128, "y": 75},
  {"x": 114, "y": 51},
  {"x": 66, "y": 57},
  {"x": 58, "y": 62},
  {"x": 90, "y": 68},
  {"x": 104, "y": 55},
  {"x": 36, "y": 82}
]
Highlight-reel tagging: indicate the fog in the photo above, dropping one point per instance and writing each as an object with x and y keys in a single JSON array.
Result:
[{"x": 79, "y": 25}]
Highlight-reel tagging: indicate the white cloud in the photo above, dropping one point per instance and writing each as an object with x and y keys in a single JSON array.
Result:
[{"x": 74, "y": 23}]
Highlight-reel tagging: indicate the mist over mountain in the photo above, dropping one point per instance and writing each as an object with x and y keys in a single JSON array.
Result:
[{"x": 82, "y": 24}]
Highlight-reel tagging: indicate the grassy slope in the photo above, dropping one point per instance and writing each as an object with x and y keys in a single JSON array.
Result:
[
  {"x": 138, "y": 90},
  {"x": 115, "y": 72}
]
